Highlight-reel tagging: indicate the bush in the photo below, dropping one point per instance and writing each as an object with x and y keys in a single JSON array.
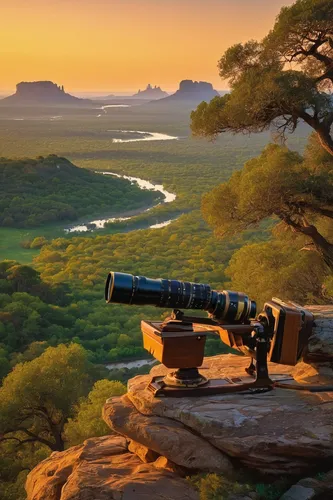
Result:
[
  {"x": 38, "y": 242},
  {"x": 88, "y": 420},
  {"x": 216, "y": 487}
]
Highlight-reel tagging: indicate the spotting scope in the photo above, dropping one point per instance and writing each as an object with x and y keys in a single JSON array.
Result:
[
  {"x": 125, "y": 288},
  {"x": 279, "y": 333}
]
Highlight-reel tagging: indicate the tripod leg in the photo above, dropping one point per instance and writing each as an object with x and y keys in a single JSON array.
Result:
[
  {"x": 262, "y": 368},
  {"x": 251, "y": 370}
]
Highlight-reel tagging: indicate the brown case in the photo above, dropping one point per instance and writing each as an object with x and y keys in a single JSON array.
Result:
[
  {"x": 292, "y": 328},
  {"x": 173, "y": 344}
]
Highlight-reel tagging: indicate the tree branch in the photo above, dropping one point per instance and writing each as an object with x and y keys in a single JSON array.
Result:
[
  {"x": 326, "y": 212},
  {"x": 34, "y": 437},
  {"x": 327, "y": 61}
]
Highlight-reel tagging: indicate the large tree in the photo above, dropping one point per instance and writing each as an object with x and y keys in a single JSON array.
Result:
[
  {"x": 279, "y": 82},
  {"x": 278, "y": 183}
]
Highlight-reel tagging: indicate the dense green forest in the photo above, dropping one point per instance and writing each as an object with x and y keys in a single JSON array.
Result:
[
  {"x": 52, "y": 189},
  {"x": 65, "y": 302}
]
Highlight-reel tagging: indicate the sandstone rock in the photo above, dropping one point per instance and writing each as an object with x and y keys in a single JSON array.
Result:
[
  {"x": 144, "y": 453},
  {"x": 321, "y": 341},
  {"x": 192, "y": 91},
  {"x": 102, "y": 469},
  {"x": 47, "y": 479},
  {"x": 164, "y": 463},
  {"x": 298, "y": 492},
  {"x": 166, "y": 437},
  {"x": 151, "y": 93},
  {"x": 44, "y": 92},
  {"x": 314, "y": 488},
  {"x": 278, "y": 432}
]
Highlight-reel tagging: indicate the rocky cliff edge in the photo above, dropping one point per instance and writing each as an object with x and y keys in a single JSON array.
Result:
[{"x": 281, "y": 433}]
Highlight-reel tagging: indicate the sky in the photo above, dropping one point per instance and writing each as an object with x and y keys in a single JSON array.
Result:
[{"x": 122, "y": 45}]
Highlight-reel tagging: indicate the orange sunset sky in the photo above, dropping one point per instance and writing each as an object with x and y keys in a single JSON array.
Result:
[{"x": 121, "y": 45}]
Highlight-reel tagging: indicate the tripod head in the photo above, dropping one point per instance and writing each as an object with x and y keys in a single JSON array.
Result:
[{"x": 279, "y": 334}]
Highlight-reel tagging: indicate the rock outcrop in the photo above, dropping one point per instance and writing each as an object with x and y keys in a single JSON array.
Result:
[
  {"x": 311, "y": 488},
  {"x": 165, "y": 436},
  {"x": 191, "y": 92},
  {"x": 42, "y": 93},
  {"x": 100, "y": 469},
  {"x": 320, "y": 346},
  {"x": 151, "y": 93},
  {"x": 279, "y": 432}
]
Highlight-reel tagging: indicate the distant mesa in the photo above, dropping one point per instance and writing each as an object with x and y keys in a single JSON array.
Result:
[
  {"x": 151, "y": 93},
  {"x": 191, "y": 91},
  {"x": 43, "y": 92}
]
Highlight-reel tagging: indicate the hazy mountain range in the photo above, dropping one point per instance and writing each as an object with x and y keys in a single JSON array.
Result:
[{"x": 49, "y": 93}]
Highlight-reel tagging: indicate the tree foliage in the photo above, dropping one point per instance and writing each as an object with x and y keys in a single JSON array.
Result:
[
  {"x": 38, "y": 397},
  {"x": 280, "y": 184},
  {"x": 265, "y": 91},
  {"x": 278, "y": 268},
  {"x": 87, "y": 421},
  {"x": 72, "y": 310},
  {"x": 44, "y": 407}
]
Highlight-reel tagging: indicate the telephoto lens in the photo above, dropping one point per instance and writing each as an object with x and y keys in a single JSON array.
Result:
[{"x": 125, "y": 288}]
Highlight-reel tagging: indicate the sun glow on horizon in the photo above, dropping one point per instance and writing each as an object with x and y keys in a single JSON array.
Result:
[{"x": 122, "y": 45}]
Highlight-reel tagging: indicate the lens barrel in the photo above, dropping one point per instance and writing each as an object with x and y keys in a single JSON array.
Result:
[{"x": 125, "y": 288}]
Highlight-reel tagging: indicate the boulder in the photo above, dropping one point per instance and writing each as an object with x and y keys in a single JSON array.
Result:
[
  {"x": 299, "y": 492},
  {"x": 278, "y": 432},
  {"x": 320, "y": 346},
  {"x": 311, "y": 488},
  {"x": 167, "y": 437},
  {"x": 100, "y": 469},
  {"x": 144, "y": 453}
]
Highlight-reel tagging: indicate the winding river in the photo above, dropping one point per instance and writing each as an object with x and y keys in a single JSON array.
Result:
[
  {"x": 138, "y": 363},
  {"x": 143, "y": 184},
  {"x": 140, "y": 135}
]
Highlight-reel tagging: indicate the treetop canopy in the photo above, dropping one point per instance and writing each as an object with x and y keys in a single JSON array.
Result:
[{"x": 280, "y": 81}]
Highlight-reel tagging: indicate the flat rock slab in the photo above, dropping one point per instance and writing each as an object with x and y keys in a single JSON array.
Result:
[
  {"x": 101, "y": 469},
  {"x": 321, "y": 340},
  {"x": 277, "y": 432},
  {"x": 312, "y": 488},
  {"x": 166, "y": 437}
]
